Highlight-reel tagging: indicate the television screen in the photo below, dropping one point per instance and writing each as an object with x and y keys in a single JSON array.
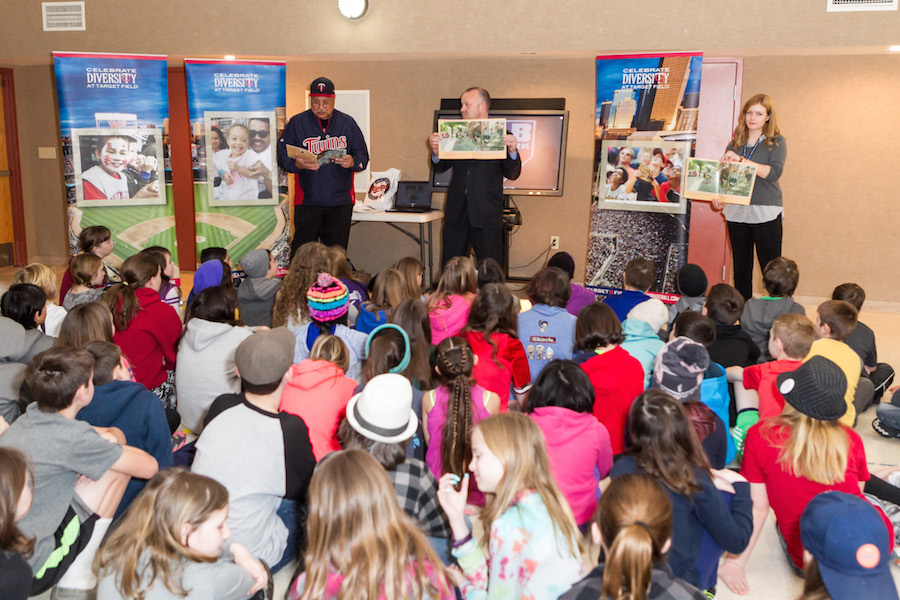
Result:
[{"x": 541, "y": 140}]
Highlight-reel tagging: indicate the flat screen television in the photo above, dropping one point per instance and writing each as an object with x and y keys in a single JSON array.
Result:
[{"x": 541, "y": 136}]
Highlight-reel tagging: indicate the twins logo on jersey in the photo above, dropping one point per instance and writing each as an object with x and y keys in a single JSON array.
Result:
[{"x": 317, "y": 145}]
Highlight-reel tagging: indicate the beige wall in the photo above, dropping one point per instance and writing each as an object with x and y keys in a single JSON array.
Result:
[
  {"x": 313, "y": 27},
  {"x": 832, "y": 108}
]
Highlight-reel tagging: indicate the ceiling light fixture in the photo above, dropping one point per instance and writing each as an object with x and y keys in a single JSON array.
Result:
[
  {"x": 894, "y": 48},
  {"x": 353, "y": 9},
  {"x": 229, "y": 57}
]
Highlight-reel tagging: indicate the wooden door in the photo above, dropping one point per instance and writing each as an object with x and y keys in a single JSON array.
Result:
[
  {"x": 720, "y": 105},
  {"x": 12, "y": 222}
]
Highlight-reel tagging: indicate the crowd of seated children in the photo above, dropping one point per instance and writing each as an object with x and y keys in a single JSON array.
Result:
[
  {"x": 407, "y": 433},
  {"x": 791, "y": 458},
  {"x": 79, "y": 472}
]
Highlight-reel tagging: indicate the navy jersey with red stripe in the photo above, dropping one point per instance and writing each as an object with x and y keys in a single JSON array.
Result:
[{"x": 331, "y": 184}]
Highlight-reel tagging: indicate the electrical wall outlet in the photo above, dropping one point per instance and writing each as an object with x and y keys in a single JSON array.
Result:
[{"x": 554, "y": 242}]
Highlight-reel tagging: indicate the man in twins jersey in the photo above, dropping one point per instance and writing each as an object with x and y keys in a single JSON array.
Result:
[{"x": 323, "y": 193}]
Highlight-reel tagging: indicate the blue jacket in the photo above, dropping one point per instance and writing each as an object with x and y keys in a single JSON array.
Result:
[
  {"x": 368, "y": 320},
  {"x": 703, "y": 512},
  {"x": 714, "y": 394},
  {"x": 642, "y": 343},
  {"x": 140, "y": 415},
  {"x": 624, "y": 302}
]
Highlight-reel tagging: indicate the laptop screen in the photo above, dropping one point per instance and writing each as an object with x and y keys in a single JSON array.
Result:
[{"x": 413, "y": 194}]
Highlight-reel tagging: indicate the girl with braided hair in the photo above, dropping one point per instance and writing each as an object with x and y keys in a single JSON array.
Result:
[{"x": 450, "y": 411}]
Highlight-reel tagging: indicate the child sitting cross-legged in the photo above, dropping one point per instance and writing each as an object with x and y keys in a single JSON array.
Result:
[
  {"x": 80, "y": 472},
  {"x": 756, "y": 388}
]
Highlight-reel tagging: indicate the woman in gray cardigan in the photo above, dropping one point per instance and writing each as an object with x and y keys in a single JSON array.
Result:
[{"x": 756, "y": 141}]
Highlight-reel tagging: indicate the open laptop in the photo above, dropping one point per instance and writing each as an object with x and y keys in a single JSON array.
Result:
[{"x": 412, "y": 196}]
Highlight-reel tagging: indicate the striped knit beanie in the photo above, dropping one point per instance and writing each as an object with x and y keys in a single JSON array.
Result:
[{"x": 328, "y": 299}]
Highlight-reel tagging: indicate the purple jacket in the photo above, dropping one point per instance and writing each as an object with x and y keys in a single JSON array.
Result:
[
  {"x": 580, "y": 298},
  {"x": 580, "y": 455}
]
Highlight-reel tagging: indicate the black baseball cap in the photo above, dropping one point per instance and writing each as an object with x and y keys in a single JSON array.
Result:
[{"x": 321, "y": 87}]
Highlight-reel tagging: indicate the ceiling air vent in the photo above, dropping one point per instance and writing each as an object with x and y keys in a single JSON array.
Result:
[
  {"x": 63, "y": 16},
  {"x": 860, "y": 5}
]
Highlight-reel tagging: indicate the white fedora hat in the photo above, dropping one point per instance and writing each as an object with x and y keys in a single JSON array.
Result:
[{"x": 383, "y": 410}]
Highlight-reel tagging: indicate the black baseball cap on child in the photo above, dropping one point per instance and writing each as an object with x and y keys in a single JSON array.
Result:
[{"x": 816, "y": 389}]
